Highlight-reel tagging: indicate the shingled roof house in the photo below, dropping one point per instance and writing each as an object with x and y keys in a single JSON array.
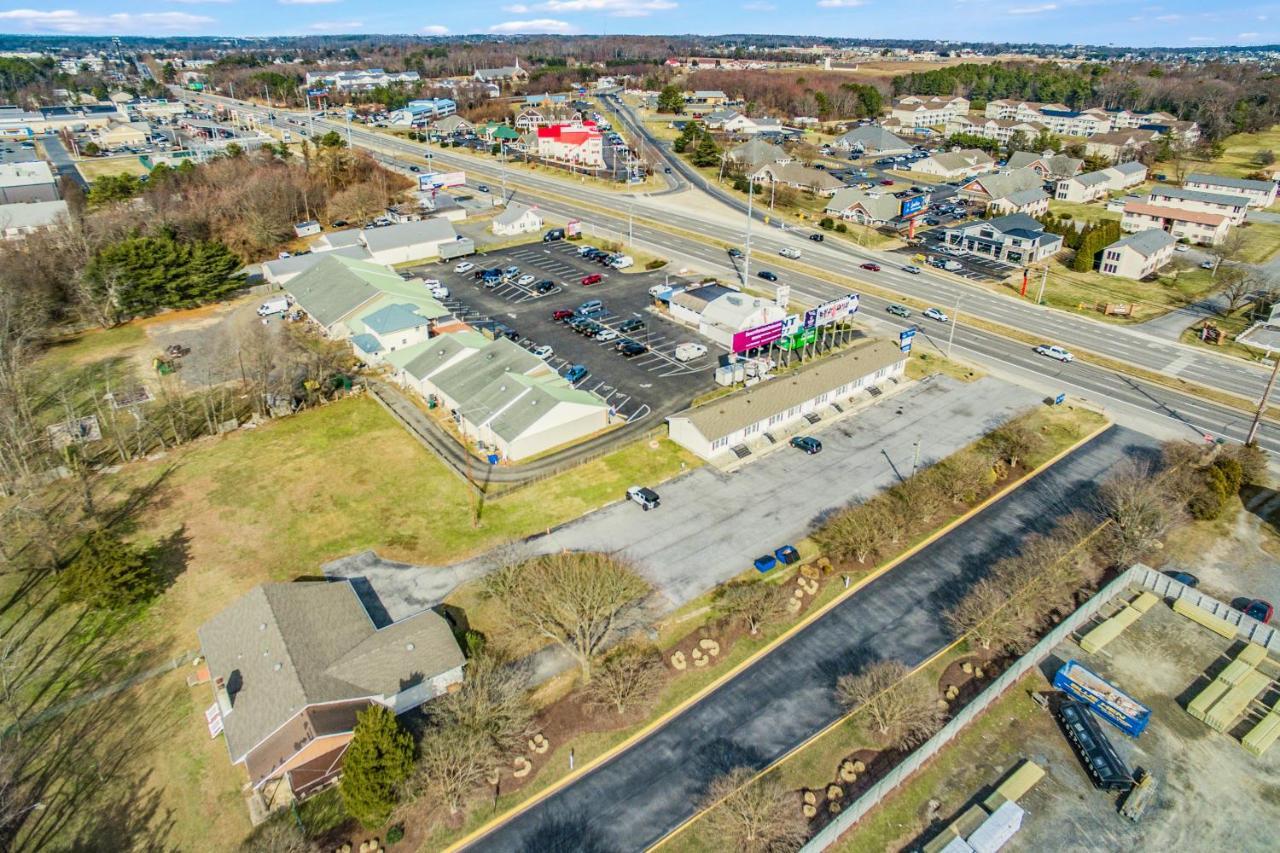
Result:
[{"x": 293, "y": 663}]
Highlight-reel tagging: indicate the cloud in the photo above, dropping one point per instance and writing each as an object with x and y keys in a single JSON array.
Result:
[
  {"x": 759, "y": 7},
  {"x": 841, "y": 4},
  {"x": 69, "y": 21},
  {"x": 199, "y": 2},
  {"x": 617, "y": 8},
  {"x": 335, "y": 26},
  {"x": 1248, "y": 35},
  {"x": 536, "y": 25},
  {"x": 304, "y": 2},
  {"x": 1033, "y": 10},
  {"x": 517, "y": 9},
  {"x": 435, "y": 30},
  {"x": 1166, "y": 19}
]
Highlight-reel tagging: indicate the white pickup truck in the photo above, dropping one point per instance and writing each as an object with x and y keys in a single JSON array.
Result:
[{"x": 689, "y": 351}]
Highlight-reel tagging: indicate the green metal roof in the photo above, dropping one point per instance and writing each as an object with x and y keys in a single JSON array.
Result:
[
  {"x": 465, "y": 380},
  {"x": 336, "y": 286}
]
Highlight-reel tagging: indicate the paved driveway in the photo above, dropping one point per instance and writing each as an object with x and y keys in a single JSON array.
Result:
[
  {"x": 636, "y": 798},
  {"x": 711, "y": 525}
]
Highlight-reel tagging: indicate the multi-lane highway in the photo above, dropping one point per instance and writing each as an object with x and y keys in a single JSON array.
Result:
[{"x": 666, "y": 226}]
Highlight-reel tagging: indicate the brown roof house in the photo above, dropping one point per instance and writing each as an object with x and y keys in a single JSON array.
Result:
[{"x": 292, "y": 664}]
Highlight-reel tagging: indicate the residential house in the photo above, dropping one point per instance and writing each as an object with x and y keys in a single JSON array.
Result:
[
  {"x": 22, "y": 218},
  {"x": 873, "y": 140},
  {"x": 577, "y": 144},
  {"x": 505, "y": 74},
  {"x": 1185, "y": 132},
  {"x": 997, "y": 185},
  {"x": 1258, "y": 193},
  {"x": 954, "y": 165},
  {"x": 1014, "y": 239},
  {"x": 776, "y": 407},
  {"x": 755, "y": 153},
  {"x": 1118, "y": 146},
  {"x": 1139, "y": 254},
  {"x": 1100, "y": 184},
  {"x": 871, "y": 208},
  {"x": 450, "y": 125},
  {"x": 129, "y": 134},
  {"x": 927, "y": 110},
  {"x": 517, "y": 218},
  {"x": 292, "y": 664},
  {"x": 794, "y": 175},
  {"x": 1126, "y": 175},
  {"x": 1033, "y": 201},
  {"x": 1232, "y": 206},
  {"x": 1194, "y": 226},
  {"x": 705, "y": 98},
  {"x": 30, "y": 181},
  {"x": 740, "y": 124},
  {"x": 1048, "y": 165}
]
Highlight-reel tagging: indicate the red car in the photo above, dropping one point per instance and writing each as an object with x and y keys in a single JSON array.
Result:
[
  {"x": 872, "y": 267},
  {"x": 594, "y": 278},
  {"x": 561, "y": 314},
  {"x": 886, "y": 183}
]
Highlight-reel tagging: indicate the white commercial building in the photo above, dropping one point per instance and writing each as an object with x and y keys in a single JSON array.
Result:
[
  {"x": 23, "y": 218},
  {"x": 406, "y": 242},
  {"x": 361, "y": 79},
  {"x": 730, "y": 313},
  {"x": 517, "y": 219},
  {"x": 30, "y": 181}
]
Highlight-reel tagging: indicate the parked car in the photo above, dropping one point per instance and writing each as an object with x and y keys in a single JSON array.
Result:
[
  {"x": 1184, "y": 578},
  {"x": 511, "y": 271},
  {"x": 807, "y": 443},
  {"x": 631, "y": 349},
  {"x": 647, "y": 498},
  {"x": 553, "y": 235},
  {"x": 505, "y": 331},
  {"x": 1055, "y": 352},
  {"x": 438, "y": 290},
  {"x": 767, "y": 276},
  {"x": 544, "y": 352},
  {"x": 1259, "y": 609},
  {"x": 935, "y": 314},
  {"x": 575, "y": 372},
  {"x": 544, "y": 286},
  {"x": 583, "y": 251},
  {"x": 591, "y": 307},
  {"x": 689, "y": 351},
  {"x": 886, "y": 183},
  {"x": 1182, "y": 247},
  {"x": 606, "y": 335},
  {"x": 594, "y": 278},
  {"x": 911, "y": 268},
  {"x": 631, "y": 325},
  {"x": 561, "y": 314},
  {"x": 871, "y": 266},
  {"x": 1207, "y": 264},
  {"x": 899, "y": 310},
  {"x": 465, "y": 266},
  {"x": 526, "y": 280}
]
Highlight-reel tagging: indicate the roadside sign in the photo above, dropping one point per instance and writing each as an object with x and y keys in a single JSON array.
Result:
[
  {"x": 782, "y": 295},
  {"x": 1060, "y": 399},
  {"x": 906, "y": 338},
  {"x": 830, "y": 312},
  {"x": 757, "y": 337},
  {"x": 573, "y": 228}
]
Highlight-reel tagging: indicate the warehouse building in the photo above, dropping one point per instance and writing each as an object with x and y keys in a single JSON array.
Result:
[{"x": 775, "y": 407}]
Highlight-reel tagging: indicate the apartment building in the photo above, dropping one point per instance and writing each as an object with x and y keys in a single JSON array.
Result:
[
  {"x": 1206, "y": 229},
  {"x": 1118, "y": 146},
  {"x": 1000, "y": 129},
  {"x": 361, "y": 80},
  {"x": 927, "y": 110},
  {"x": 1060, "y": 118},
  {"x": 1095, "y": 185},
  {"x": 1257, "y": 193},
  {"x": 1047, "y": 165},
  {"x": 1233, "y": 207},
  {"x": 1139, "y": 254},
  {"x": 579, "y": 144}
]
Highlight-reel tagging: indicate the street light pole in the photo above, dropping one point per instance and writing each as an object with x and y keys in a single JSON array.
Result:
[
  {"x": 955, "y": 321},
  {"x": 746, "y": 255},
  {"x": 1262, "y": 404}
]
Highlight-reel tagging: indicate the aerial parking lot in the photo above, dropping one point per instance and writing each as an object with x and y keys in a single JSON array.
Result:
[
  {"x": 650, "y": 382},
  {"x": 973, "y": 267}
]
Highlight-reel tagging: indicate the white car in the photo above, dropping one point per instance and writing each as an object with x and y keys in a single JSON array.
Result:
[
  {"x": 526, "y": 280},
  {"x": 952, "y": 250},
  {"x": 1055, "y": 352},
  {"x": 465, "y": 266},
  {"x": 544, "y": 352},
  {"x": 438, "y": 290},
  {"x": 935, "y": 314},
  {"x": 607, "y": 335},
  {"x": 1207, "y": 265},
  {"x": 1182, "y": 247}
]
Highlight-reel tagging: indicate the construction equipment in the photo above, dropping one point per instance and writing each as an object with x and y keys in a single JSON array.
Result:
[{"x": 1141, "y": 795}]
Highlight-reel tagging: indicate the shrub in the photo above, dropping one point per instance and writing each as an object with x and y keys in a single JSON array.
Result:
[
  {"x": 841, "y": 228},
  {"x": 826, "y": 223},
  {"x": 395, "y": 834},
  {"x": 656, "y": 264},
  {"x": 109, "y": 573},
  {"x": 378, "y": 760}
]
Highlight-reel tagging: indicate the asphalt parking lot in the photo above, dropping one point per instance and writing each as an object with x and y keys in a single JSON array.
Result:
[
  {"x": 976, "y": 268},
  {"x": 652, "y": 384}
]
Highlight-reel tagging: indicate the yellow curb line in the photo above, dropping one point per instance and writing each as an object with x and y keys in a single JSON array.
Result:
[{"x": 809, "y": 619}]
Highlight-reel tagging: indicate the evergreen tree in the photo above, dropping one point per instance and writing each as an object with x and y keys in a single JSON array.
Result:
[
  {"x": 670, "y": 100},
  {"x": 688, "y": 135},
  {"x": 144, "y": 274},
  {"x": 109, "y": 188},
  {"x": 378, "y": 760},
  {"x": 707, "y": 153},
  {"x": 109, "y": 573}
]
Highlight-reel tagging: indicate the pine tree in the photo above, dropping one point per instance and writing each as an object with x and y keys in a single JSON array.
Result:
[
  {"x": 707, "y": 153},
  {"x": 378, "y": 760},
  {"x": 670, "y": 100},
  {"x": 109, "y": 573}
]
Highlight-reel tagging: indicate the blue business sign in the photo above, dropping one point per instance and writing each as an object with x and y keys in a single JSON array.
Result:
[
  {"x": 905, "y": 338},
  {"x": 317, "y": 93},
  {"x": 912, "y": 205},
  {"x": 1120, "y": 710}
]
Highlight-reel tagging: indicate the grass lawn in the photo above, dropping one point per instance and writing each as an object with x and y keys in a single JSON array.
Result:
[
  {"x": 94, "y": 168},
  {"x": 1237, "y": 159},
  {"x": 1081, "y": 212},
  {"x": 1231, "y": 325},
  {"x": 1069, "y": 290},
  {"x": 1259, "y": 241}
]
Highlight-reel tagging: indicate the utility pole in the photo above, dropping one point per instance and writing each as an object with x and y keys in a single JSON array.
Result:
[
  {"x": 1262, "y": 404},
  {"x": 630, "y": 221},
  {"x": 1043, "y": 281},
  {"x": 746, "y": 254},
  {"x": 955, "y": 321}
]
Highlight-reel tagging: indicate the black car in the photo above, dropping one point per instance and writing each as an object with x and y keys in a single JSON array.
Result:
[
  {"x": 414, "y": 169},
  {"x": 631, "y": 325},
  {"x": 631, "y": 349},
  {"x": 807, "y": 443},
  {"x": 735, "y": 253},
  {"x": 504, "y": 331},
  {"x": 544, "y": 286},
  {"x": 767, "y": 276},
  {"x": 817, "y": 238},
  {"x": 484, "y": 188}
]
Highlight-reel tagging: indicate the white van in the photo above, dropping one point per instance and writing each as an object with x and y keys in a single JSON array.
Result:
[
  {"x": 953, "y": 266},
  {"x": 789, "y": 252},
  {"x": 688, "y": 352},
  {"x": 622, "y": 262},
  {"x": 274, "y": 305}
]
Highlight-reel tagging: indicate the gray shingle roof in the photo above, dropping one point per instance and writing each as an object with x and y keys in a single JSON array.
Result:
[
  {"x": 1005, "y": 184},
  {"x": 1129, "y": 167},
  {"x": 435, "y": 354},
  {"x": 512, "y": 214},
  {"x": 1024, "y": 197},
  {"x": 882, "y": 207},
  {"x": 1203, "y": 196},
  {"x": 301, "y": 263},
  {"x": 1145, "y": 243},
  {"x": 1237, "y": 183},
  {"x": 409, "y": 234},
  {"x": 873, "y": 139}
]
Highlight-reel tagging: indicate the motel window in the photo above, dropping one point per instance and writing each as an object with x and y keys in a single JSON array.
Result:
[
  {"x": 719, "y": 443},
  {"x": 751, "y": 430}
]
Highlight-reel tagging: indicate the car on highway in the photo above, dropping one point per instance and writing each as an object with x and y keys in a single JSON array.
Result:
[
  {"x": 899, "y": 310},
  {"x": 647, "y": 498},
  {"x": 767, "y": 276},
  {"x": 911, "y": 268},
  {"x": 1184, "y": 578},
  {"x": 935, "y": 314},
  {"x": 414, "y": 169},
  {"x": 807, "y": 443},
  {"x": 484, "y": 188},
  {"x": 886, "y": 183},
  {"x": 788, "y": 252},
  {"x": 1259, "y": 609},
  {"x": 543, "y": 352},
  {"x": 562, "y": 314},
  {"x": 817, "y": 238},
  {"x": 631, "y": 325},
  {"x": 666, "y": 170},
  {"x": 465, "y": 266},
  {"x": 605, "y": 335},
  {"x": 575, "y": 372},
  {"x": 871, "y": 266},
  {"x": 1055, "y": 352},
  {"x": 594, "y": 278},
  {"x": 526, "y": 280},
  {"x": 735, "y": 252},
  {"x": 631, "y": 349},
  {"x": 544, "y": 286}
]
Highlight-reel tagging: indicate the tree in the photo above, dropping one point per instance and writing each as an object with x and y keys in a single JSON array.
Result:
[
  {"x": 378, "y": 761},
  {"x": 168, "y": 73},
  {"x": 1013, "y": 442},
  {"x": 987, "y": 615},
  {"x": 707, "y": 152},
  {"x": 453, "y": 762},
  {"x": 278, "y": 835},
  {"x": 754, "y": 603},
  {"x": 576, "y": 599},
  {"x": 1139, "y": 507},
  {"x": 112, "y": 188},
  {"x": 109, "y": 573},
  {"x": 1236, "y": 287},
  {"x": 903, "y": 709},
  {"x": 1265, "y": 157},
  {"x": 91, "y": 149},
  {"x": 143, "y": 274},
  {"x": 628, "y": 677},
  {"x": 332, "y": 139},
  {"x": 759, "y": 816},
  {"x": 961, "y": 476},
  {"x": 490, "y": 702},
  {"x": 670, "y": 100},
  {"x": 858, "y": 532}
]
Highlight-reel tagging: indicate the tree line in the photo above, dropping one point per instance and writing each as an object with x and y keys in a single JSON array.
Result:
[{"x": 825, "y": 95}]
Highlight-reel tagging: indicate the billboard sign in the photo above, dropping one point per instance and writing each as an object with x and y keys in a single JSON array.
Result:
[
  {"x": 760, "y": 336},
  {"x": 912, "y": 205},
  {"x": 831, "y": 312},
  {"x": 317, "y": 93},
  {"x": 439, "y": 180},
  {"x": 782, "y": 295},
  {"x": 1125, "y": 713}
]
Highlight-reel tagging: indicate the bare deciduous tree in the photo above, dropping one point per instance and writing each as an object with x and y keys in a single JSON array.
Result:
[
  {"x": 962, "y": 476},
  {"x": 628, "y": 677},
  {"x": 1140, "y": 507},
  {"x": 988, "y": 616},
  {"x": 576, "y": 599},
  {"x": 754, "y": 603},
  {"x": 452, "y": 762},
  {"x": 280, "y": 835},
  {"x": 759, "y": 816},
  {"x": 490, "y": 703},
  {"x": 859, "y": 531},
  {"x": 903, "y": 709},
  {"x": 1014, "y": 441}
]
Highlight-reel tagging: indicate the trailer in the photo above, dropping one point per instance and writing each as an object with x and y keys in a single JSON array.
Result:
[
  {"x": 1106, "y": 769},
  {"x": 1107, "y": 701},
  {"x": 459, "y": 248}
]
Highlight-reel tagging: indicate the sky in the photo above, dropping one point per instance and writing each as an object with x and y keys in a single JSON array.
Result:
[{"x": 1175, "y": 23}]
